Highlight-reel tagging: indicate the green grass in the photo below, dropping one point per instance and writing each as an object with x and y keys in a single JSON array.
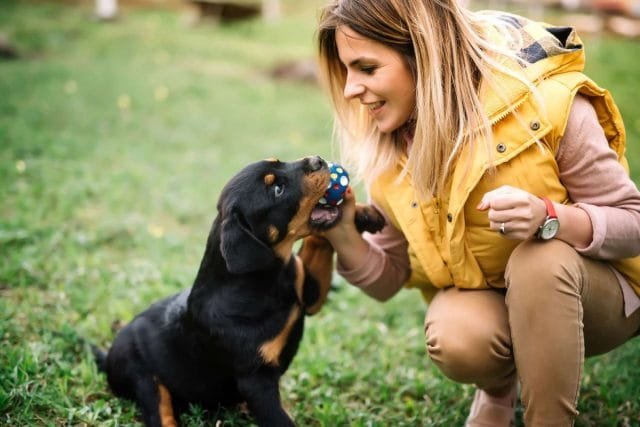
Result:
[{"x": 115, "y": 140}]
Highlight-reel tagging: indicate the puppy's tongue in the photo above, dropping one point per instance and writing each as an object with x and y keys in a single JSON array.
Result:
[
  {"x": 324, "y": 216},
  {"x": 321, "y": 214}
]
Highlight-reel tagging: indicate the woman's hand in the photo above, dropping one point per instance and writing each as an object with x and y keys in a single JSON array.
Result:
[
  {"x": 515, "y": 213},
  {"x": 349, "y": 245},
  {"x": 346, "y": 224}
]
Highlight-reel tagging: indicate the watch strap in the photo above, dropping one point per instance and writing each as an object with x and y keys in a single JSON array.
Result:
[{"x": 551, "y": 210}]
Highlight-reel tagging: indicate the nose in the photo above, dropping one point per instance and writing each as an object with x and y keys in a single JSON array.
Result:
[
  {"x": 315, "y": 163},
  {"x": 352, "y": 87}
]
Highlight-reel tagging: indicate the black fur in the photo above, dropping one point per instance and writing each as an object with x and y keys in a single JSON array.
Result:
[{"x": 229, "y": 338}]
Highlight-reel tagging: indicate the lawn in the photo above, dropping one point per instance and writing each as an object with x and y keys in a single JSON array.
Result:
[{"x": 115, "y": 140}]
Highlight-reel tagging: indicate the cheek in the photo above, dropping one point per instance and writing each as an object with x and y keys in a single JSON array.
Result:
[
  {"x": 409, "y": 88},
  {"x": 401, "y": 87},
  {"x": 408, "y": 97}
]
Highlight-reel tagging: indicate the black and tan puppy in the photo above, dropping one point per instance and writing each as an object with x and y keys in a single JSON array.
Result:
[{"x": 229, "y": 338}]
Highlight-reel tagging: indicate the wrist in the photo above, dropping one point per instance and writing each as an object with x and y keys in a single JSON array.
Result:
[
  {"x": 350, "y": 247},
  {"x": 342, "y": 236},
  {"x": 577, "y": 229}
]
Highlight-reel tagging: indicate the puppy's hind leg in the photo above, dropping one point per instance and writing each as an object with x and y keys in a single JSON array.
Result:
[{"x": 154, "y": 401}]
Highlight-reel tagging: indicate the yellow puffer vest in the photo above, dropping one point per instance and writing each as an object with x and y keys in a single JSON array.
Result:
[{"x": 450, "y": 243}]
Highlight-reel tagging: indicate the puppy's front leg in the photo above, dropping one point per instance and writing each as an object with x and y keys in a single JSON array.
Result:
[
  {"x": 316, "y": 254},
  {"x": 262, "y": 395}
]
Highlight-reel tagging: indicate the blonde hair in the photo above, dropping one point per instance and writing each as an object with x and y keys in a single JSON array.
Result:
[{"x": 446, "y": 49}]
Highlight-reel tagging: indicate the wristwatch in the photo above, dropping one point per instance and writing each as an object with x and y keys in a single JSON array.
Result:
[{"x": 551, "y": 225}]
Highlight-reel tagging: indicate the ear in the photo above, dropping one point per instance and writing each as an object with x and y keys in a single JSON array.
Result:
[{"x": 242, "y": 251}]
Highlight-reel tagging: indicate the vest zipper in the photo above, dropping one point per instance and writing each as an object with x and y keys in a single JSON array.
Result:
[{"x": 513, "y": 107}]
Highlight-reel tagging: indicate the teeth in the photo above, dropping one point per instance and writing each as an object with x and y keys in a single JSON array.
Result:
[{"x": 375, "y": 105}]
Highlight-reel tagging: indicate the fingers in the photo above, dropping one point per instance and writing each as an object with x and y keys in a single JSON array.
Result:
[
  {"x": 349, "y": 196},
  {"x": 507, "y": 229},
  {"x": 501, "y": 198},
  {"x": 513, "y": 212},
  {"x": 347, "y": 217}
]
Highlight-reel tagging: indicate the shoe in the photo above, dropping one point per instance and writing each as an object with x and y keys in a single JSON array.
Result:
[{"x": 489, "y": 411}]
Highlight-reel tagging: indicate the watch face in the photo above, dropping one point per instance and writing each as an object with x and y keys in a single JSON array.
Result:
[{"x": 549, "y": 229}]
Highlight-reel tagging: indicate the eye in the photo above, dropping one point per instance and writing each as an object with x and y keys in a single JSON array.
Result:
[
  {"x": 368, "y": 69},
  {"x": 278, "y": 190}
]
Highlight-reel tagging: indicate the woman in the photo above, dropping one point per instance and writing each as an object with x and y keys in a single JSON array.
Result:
[{"x": 500, "y": 167}]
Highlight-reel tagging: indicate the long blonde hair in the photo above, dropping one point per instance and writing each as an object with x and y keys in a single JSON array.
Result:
[{"x": 448, "y": 52}]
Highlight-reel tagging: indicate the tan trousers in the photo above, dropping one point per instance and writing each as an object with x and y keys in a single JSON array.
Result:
[{"x": 559, "y": 308}]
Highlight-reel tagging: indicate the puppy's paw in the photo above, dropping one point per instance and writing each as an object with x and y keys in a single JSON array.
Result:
[{"x": 369, "y": 218}]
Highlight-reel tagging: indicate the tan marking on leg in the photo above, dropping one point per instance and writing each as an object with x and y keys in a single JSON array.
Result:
[
  {"x": 299, "y": 278},
  {"x": 316, "y": 253},
  {"x": 271, "y": 350},
  {"x": 166, "y": 408}
]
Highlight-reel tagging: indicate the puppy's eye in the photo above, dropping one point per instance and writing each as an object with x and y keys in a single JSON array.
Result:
[{"x": 278, "y": 190}]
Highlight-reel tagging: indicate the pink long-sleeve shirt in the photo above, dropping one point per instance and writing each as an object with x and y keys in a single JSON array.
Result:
[{"x": 595, "y": 180}]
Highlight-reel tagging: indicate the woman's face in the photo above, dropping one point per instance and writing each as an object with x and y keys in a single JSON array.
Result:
[{"x": 378, "y": 77}]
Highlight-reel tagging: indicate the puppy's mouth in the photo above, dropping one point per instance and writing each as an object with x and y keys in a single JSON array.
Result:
[
  {"x": 324, "y": 217},
  {"x": 321, "y": 217}
]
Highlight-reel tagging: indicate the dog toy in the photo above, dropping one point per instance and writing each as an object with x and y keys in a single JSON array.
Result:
[{"x": 337, "y": 186}]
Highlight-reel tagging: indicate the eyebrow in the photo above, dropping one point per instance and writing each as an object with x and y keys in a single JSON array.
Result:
[{"x": 360, "y": 60}]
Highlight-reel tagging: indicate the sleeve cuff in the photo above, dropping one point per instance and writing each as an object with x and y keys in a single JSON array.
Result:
[
  {"x": 367, "y": 272},
  {"x": 599, "y": 226}
]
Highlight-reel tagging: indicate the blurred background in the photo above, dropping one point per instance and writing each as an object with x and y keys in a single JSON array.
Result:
[{"x": 120, "y": 121}]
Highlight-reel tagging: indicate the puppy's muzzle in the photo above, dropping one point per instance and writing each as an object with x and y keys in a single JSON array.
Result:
[{"x": 314, "y": 164}]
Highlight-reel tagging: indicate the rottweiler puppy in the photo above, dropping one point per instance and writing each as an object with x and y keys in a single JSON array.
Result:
[{"x": 229, "y": 338}]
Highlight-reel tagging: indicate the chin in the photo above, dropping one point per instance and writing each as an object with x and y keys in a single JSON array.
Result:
[
  {"x": 385, "y": 128},
  {"x": 389, "y": 126}
]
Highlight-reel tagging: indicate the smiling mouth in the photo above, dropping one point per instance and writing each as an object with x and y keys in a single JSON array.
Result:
[{"x": 375, "y": 106}]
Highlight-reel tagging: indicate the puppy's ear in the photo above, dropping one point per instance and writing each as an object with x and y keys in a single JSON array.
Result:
[{"x": 242, "y": 251}]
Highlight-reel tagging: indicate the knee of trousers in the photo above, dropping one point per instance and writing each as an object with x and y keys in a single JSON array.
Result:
[
  {"x": 538, "y": 270},
  {"x": 468, "y": 351}
]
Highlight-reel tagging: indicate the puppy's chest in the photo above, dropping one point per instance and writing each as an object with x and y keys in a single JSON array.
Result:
[
  {"x": 277, "y": 350},
  {"x": 259, "y": 314}
]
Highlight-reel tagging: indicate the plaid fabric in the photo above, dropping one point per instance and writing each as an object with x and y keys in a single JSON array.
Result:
[{"x": 539, "y": 40}]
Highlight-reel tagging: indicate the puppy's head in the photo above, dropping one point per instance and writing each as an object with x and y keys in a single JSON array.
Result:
[{"x": 265, "y": 208}]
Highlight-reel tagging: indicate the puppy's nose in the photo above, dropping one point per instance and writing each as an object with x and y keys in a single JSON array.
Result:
[{"x": 315, "y": 163}]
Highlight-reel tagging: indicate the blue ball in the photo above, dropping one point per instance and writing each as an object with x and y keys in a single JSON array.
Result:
[{"x": 337, "y": 186}]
